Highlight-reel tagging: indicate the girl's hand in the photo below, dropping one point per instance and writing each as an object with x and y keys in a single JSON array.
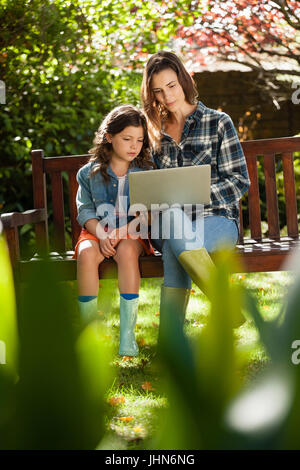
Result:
[
  {"x": 118, "y": 234},
  {"x": 106, "y": 248},
  {"x": 114, "y": 237}
]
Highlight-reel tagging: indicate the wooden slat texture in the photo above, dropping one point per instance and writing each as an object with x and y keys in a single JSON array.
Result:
[
  {"x": 241, "y": 234},
  {"x": 271, "y": 196},
  {"x": 58, "y": 212},
  {"x": 262, "y": 257},
  {"x": 253, "y": 199},
  {"x": 73, "y": 186},
  {"x": 290, "y": 194},
  {"x": 277, "y": 145},
  {"x": 12, "y": 238},
  {"x": 16, "y": 219},
  {"x": 256, "y": 254},
  {"x": 67, "y": 163},
  {"x": 39, "y": 198}
]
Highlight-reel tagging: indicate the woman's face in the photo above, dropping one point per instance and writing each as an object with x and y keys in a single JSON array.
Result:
[{"x": 167, "y": 90}]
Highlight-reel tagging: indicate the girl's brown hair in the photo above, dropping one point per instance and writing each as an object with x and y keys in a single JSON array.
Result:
[
  {"x": 115, "y": 122},
  {"x": 156, "y": 113}
]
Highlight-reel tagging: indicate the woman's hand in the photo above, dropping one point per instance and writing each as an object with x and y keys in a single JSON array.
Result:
[
  {"x": 138, "y": 227},
  {"x": 106, "y": 247}
]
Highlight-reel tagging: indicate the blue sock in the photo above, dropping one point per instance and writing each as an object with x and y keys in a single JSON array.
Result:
[
  {"x": 129, "y": 296},
  {"x": 86, "y": 298}
]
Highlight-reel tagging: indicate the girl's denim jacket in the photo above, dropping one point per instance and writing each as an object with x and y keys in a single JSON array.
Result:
[{"x": 96, "y": 199}]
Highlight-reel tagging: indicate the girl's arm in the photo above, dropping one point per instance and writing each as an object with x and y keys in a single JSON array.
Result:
[
  {"x": 86, "y": 208},
  {"x": 91, "y": 226}
]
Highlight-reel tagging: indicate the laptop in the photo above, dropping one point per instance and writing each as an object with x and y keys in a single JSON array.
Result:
[{"x": 183, "y": 185}]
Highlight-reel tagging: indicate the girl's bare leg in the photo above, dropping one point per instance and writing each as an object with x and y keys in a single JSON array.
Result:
[
  {"x": 127, "y": 259},
  {"x": 88, "y": 260}
]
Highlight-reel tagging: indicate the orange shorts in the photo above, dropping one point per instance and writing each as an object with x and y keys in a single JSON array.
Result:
[{"x": 85, "y": 235}]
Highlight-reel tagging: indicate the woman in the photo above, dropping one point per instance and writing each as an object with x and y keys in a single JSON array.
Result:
[{"x": 185, "y": 132}]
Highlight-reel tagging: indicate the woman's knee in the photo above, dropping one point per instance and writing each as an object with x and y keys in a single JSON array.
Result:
[{"x": 219, "y": 232}]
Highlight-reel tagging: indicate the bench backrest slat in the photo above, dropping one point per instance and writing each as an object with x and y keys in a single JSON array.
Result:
[
  {"x": 73, "y": 186},
  {"x": 241, "y": 234},
  {"x": 58, "y": 211},
  {"x": 290, "y": 194},
  {"x": 253, "y": 198},
  {"x": 39, "y": 198},
  {"x": 271, "y": 196}
]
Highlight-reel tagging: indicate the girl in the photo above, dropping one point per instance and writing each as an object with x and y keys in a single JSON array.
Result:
[{"x": 121, "y": 146}]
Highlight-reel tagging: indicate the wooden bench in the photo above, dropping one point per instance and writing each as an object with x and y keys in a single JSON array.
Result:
[{"x": 258, "y": 253}]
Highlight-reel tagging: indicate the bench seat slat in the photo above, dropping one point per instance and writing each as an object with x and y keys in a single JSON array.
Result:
[{"x": 251, "y": 260}]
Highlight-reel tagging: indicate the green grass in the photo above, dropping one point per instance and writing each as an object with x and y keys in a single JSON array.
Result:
[{"x": 142, "y": 406}]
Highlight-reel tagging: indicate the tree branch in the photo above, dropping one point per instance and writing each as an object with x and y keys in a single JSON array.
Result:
[{"x": 287, "y": 13}]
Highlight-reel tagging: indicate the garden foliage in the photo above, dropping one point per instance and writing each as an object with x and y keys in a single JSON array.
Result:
[{"x": 52, "y": 393}]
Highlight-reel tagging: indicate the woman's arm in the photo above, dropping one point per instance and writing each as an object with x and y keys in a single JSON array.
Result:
[{"x": 231, "y": 166}]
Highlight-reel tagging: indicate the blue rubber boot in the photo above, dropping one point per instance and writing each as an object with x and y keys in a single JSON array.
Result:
[
  {"x": 88, "y": 310},
  {"x": 128, "y": 316}
]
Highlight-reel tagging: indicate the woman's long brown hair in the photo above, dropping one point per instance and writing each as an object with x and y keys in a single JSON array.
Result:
[
  {"x": 115, "y": 122},
  {"x": 155, "y": 112}
]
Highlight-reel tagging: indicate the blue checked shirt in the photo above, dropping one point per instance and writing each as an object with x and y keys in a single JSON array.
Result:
[{"x": 209, "y": 137}]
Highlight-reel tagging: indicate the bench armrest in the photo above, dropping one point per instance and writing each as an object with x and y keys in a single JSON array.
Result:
[
  {"x": 16, "y": 219},
  {"x": 11, "y": 221}
]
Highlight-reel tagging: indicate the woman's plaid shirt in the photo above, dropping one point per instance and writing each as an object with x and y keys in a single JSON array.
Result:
[{"x": 209, "y": 137}]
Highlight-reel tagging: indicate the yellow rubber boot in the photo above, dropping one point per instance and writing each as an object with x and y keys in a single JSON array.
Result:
[
  {"x": 173, "y": 306},
  {"x": 199, "y": 266}
]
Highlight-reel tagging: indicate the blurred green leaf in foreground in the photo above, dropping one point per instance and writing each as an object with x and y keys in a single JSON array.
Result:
[
  {"x": 209, "y": 405},
  {"x": 57, "y": 400}
]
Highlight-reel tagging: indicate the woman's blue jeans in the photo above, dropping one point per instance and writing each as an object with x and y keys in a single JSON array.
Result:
[{"x": 210, "y": 232}]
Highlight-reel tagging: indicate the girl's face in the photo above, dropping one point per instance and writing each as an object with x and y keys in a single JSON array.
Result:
[
  {"x": 127, "y": 144},
  {"x": 167, "y": 90}
]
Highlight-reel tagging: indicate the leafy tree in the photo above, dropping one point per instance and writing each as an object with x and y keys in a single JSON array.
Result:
[
  {"x": 260, "y": 34},
  {"x": 63, "y": 66}
]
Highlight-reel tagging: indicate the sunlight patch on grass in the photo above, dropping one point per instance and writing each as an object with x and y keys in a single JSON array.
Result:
[{"x": 135, "y": 418}]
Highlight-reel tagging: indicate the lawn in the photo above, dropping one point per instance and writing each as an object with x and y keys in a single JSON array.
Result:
[{"x": 135, "y": 399}]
